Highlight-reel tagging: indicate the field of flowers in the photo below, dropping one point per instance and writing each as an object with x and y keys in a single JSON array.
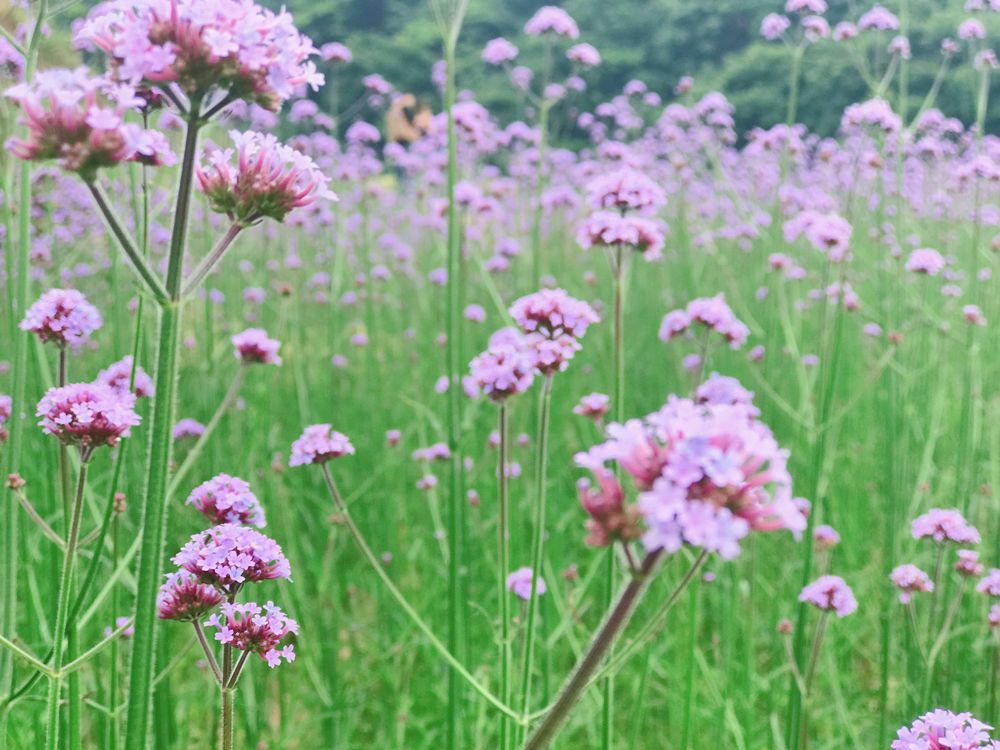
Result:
[{"x": 678, "y": 438}]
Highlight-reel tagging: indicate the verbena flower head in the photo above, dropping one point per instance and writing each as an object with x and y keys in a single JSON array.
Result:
[
  {"x": 553, "y": 323},
  {"x": 774, "y": 25},
  {"x": 231, "y": 46},
  {"x": 6, "y": 408},
  {"x": 593, "y": 405},
  {"x": 830, "y": 594},
  {"x": 229, "y": 555},
  {"x": 584, "y": 54},
  {"x": 708, "y": 475},
  {"x": 943, "y": 730},
  {"x": 79, "y": 120},
  {"x": 990, "y": 585},
  {"x": 711, "y": 312},
  {"x": 226, "y": 499},
  {"x": 268, "y": 180},
  {"x": 626, "y": 190},
  {"x": 968, "y": 564},
  {"x": 550, "y": 19},
  {"x": 878, "y": 19},
  {"x": 909, "y": 579},
  {"x": 926, "y": 261},
  {"x": 519, "y": 583},
  {"x": 721, "y": 389},
  {"x": 258, "y": 630},
  {"x": 608, "y": 229},
  {"x": 186, "y": 597},
  {"x": 62, "y": 316},
  {"x": 610, "y": 519},
  {"x": 504, "y": 369},
  {"x": 253, "y": 346},
  {"x": 498, "y": 51},
  {"x": 119, "y": 375},
  {"x": 319, "y": 443},
  {"x": 944, "y": 526},
  {"x": 188, "y": 428},
  {"x": 88, "y": 415}
]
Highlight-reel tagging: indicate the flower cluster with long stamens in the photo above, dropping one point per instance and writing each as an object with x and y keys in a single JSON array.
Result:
[
  {"x": 268, "y": 179},
  {"x": 80, "y": 120},
  {"x": 235, "y": 46},
  {"x": 707, "y": 473}
]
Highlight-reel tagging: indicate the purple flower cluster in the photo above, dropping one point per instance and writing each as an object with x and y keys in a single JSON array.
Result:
[
  {"x": 554, "y": 20},
  {"x": 626, "y": 190},
  {"x": 87, "y": 414},
  {"x": 594, "y": 406},
  {"x": 830, "y": 594},
  {"x": 944, "y": 526},
  {"x": 708, "y": 475},
  {"x": 319, "y": 443},
  {"x": 498, "y": 51},
  {"x": 553, "y": 323},
  {"x": 79, "y": 119},
  {"x": 608, "y": 229},
  {"x": 827, "y": 232},
  {"x": 711, "y": 312},
  {"x": 226, "y": 499},
  {"x": 62, "y": 316},
  {"x": 519, "y": 583},
  {"x": 925, "y": 260},
  {"x": 229, "y": 555},
  {"x": 910, "y": 579},
  {"x": 943, "y": 730},
  {"x": 268, "y": 180},
  {"x": 254, "y": 346},
  {"x": 185, "y": 597},
  {"x": 117, "y": 376},
  {"x": 255, "y": 629},
  {"x": 504, "y": 369},
  {"x": 188, "y": 428},
  {"x": 234, "y": 46}
]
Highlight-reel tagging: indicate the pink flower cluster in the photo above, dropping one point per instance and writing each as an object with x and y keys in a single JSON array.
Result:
[
  {"x": 711, "y": 312},
  {"x": 229, "y": 555},
  {"x": 117, "y": 376},
  {"x": 498, "y": 51},
  {"x": 830, "y": 594},
  {"x": 553, "y": 323},
  {"x": 910, "y": 579},
  {"x": 722, "y": 389},
  {"x": 944, "y": 730},
  {"x": 607, "y": 229},
  {"x": 551, "y": 19},
  {"x": 63, "y": 316},
  {"x": 827, "y": 232},
  {"x": 504, "y": 369},
  {"x": 519, "y": 583},
  {"x": 232, "y": 46},
  {"x": 944, "y": 526},
  {"x": 268, "y": 180},
  {"x": 593, "y": 406},
  {"x": 188, "y": 428},
  {"x": 708, "y": 475},
  {"x": 253, "y": 346},
  {"x": 80, "y": 120},
  {"x": 255, "y": 629},
  {"x": 226, "y": 499},
  {"x": 626, "y": 190},
  {"x": 87, "y": 414},
  {"x": 319, "y": 443},
  {"x": 925, "y": 260},
  {"x": 185, "y": 597}
]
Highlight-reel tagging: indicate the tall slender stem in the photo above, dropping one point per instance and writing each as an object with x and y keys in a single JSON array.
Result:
[
  {"x": 226, "y": 733},
  {"x": 538, "y": 543},
  {"x": 62, "y": 608},
  {"x": 212, "y": 259},
  {"x": 503, "y": 567},
  {"x": 573, "y": 688}
]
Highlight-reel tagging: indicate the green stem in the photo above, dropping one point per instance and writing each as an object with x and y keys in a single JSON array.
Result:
[
  {"x": 503, "y": 568},
  {"x": 62, "y": 608},
  {"x": 226, "y": 739},
  {"x": 538, "y": 543},
  {"x": 536, "y": 224},
  {"x": 573, "y": 688},
  {"x": 212, "y": 259}
]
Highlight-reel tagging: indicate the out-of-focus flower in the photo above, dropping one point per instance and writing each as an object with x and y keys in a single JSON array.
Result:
[
  {"x": 188, "y": 428},
  {"x": 550, "y": 19},
  {"x": 520, "y": 583},
  {"x": 944, "y": 526},
  {"x": 498, "y": 51},
  {"x": 830, "y": 594},
  {"x": 711, "y": 312},
  {"x": 62, "y": 316},
  {"x": 943, "y": 730},
  {"x": 593, "y": 405},
  {"x": 909, "y": 579},
  {"x": 253, "y": 346},
  {"x": 119, "y": 375},
  {"x": 319, "y": 443}
]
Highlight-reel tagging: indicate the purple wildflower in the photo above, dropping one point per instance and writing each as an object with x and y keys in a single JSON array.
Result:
[
  {"x": 226, "y": 499},
  {"x": 830, "y": 594},
  {"x": 186, "y": 598},
  {"x": 63, "y": 316},
  {"x": 230, "y": 555},
  {"x": 255, "y": 629},
  {"x": 253, "y": 346},
  {"x": 87, "y": 414},
  {"x": 319, "y": 443}
]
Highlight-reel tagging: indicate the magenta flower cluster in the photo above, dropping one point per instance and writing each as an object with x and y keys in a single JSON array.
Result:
[
  {"x": 186, "y": 598},
  {"x": 62, "y": 316},
  {"x": 118, "y": 375},
  {"x": 910, "y": 579},
  {"x": 254, "y": 346},
  {"x": 553, "y": 322},
  {"x": 711, "y": 312},
  {"x": 88, "y": 415},
  {"x": 830, "y": 594},
  {"x": 943, "y": 525},
  {"x": 319, "y": 443},
  {"x": 256, "y": 630},
  {"x": 943, "y": 730},
  {"x": 505, "y": 368},
  {"x": 230, "y": 555},
  {"x": 626, "y": 190},
  {"x": 226, "y": 499},
  {"x": 608, "y": 229}
]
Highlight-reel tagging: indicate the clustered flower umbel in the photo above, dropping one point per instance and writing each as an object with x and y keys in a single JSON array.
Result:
[
  {"x": 268, "y": 179},
  {"x": 711, "y": 312},
  {"x": 609, "y": 229},
  {"x": 254, "y": 346},
  {"x": 79, "y": 119},
  {"x": 707, "y": 475},
  {"x": 553, "y": 323},
  {"x": 234, "y": 46},
  {"x": 119, "y": 374},
  {"x": 910, "y": 579},
  {"x": 319, "y": 443},
  {"x": 830, "y": 594},
  {"x": 218, "y": 562},
  {"x": 62, "y": 316},
  {"x": 87, "y": 415},
  {"x": 943, "y": 730},
  {"x": 945, "y": 526}
]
